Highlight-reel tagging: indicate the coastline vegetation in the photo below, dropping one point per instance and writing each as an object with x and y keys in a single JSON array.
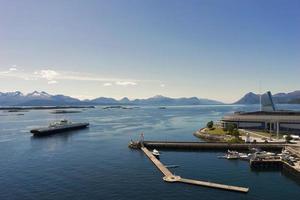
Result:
[{"x": 212, "y": 132}]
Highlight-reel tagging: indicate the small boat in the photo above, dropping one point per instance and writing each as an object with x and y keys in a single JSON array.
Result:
[
  {"x": 265, "y": 155},
  {"x": 244, "y": 156},
  {"x": 254, "y": 150},
  {"x": 232, "y": 155},
  {"x": 65, "y": 111},
  {"x": 155, "y": 152},
  {"x": 270, "y": 154}
]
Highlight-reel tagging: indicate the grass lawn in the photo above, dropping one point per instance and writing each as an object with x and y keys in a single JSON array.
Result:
[
  {"x": 216, "y": 131},
  {"x": 220, "y": 131}
]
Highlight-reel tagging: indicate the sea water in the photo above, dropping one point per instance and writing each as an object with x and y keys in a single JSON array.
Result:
[{"x": 96, "y": 163}]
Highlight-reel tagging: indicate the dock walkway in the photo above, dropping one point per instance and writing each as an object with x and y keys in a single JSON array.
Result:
[
  {"x": 169, "y": 177},
  {"x": 157, "y": 163}
]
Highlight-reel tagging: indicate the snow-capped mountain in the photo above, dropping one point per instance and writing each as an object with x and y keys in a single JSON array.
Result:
[
  {"x": 37, "y": 94},
  {"x": 35, "y": 99},
  {"x": 44, "y": 99}
]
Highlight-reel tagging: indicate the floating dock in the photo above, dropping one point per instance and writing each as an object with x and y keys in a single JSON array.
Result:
[
  {"x": 211, "y": 145},
  {"x": 169, "y": 177}
]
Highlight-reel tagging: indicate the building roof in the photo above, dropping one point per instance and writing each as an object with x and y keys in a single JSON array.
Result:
[
  {"x": 262, "y": 116},
  {"x": 283, "y": 112}
]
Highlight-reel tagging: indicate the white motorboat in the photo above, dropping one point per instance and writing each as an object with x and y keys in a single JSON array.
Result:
[
  {"x": 270, "y": 154},
  {"x": 155, "y": 152},
  {"x": 232, "y": 155},
  {"x": 244, "y": 156}
]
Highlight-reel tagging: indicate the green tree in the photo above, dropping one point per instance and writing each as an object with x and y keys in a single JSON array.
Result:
[
  {"x": 236, "y": 132},
  {"x": 230, "y": 128},
  {"x": 210, "y": 124}
]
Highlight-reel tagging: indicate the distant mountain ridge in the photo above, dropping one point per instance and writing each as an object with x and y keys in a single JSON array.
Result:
[
  {"x": 279, "y": 98},
  {"x": 35, "y": 99},
  {"x": 44, "y": 99}
]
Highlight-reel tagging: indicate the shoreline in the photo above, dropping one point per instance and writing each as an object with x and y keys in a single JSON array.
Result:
[{"x": 42, "y": 107}]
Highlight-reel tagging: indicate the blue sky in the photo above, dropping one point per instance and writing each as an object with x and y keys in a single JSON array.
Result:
[{"x": 206, "y": 48}]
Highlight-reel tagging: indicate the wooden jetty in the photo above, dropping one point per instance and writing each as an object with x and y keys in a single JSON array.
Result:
[
  {"x": 211, "y": 145},
  {"x": 169, "y": 177}
]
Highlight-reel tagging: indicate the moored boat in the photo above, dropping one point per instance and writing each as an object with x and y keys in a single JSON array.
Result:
[
  {"x": 232, "y": 155},
  {"x": 155, "y": 152}
]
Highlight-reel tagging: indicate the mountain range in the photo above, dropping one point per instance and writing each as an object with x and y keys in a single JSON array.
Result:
[
  {"x": 44, "y": 99},
  {"x": 279, "y": 98}
]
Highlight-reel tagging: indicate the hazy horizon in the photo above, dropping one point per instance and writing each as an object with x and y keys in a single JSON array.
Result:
[{"x": 210, "y": 49}]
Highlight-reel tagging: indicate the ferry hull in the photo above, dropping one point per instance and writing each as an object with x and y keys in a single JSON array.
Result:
[{"x": 49, "y": 131}]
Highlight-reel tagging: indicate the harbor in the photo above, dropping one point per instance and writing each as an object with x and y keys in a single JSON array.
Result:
[
  {"x": 288, "y": 160},
  {"x": 170, "y": 177},
  {"x": 96, "y": 161}
]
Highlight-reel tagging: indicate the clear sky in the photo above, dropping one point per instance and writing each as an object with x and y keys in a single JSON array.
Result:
[{"x": 218, "y": 49}]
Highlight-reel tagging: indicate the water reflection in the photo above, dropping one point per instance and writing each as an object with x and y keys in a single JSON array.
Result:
[{"x": 53, "y": 142}]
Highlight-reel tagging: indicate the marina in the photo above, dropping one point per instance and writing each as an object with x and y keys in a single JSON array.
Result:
[
  {"x": 288, "y": 160},
  {"x": 170, "y": 177}
]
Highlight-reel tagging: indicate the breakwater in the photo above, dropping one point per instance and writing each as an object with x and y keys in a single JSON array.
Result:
[{"x": 211, "y": 145}]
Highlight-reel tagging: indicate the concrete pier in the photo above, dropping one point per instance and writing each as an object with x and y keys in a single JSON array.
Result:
[
  {"x": 156, "y": 162},
  {"x": 169, "y": 177},
  {"x": 214, "y": 185}
]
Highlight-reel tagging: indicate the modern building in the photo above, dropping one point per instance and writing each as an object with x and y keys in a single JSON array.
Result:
[{"x": 269, "y": 118}]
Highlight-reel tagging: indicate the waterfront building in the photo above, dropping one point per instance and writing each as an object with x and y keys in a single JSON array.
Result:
[{"x": 268, "y": 118}]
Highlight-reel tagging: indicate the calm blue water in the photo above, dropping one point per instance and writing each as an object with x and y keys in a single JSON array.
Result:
[{"x": 96, "y": 164}]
